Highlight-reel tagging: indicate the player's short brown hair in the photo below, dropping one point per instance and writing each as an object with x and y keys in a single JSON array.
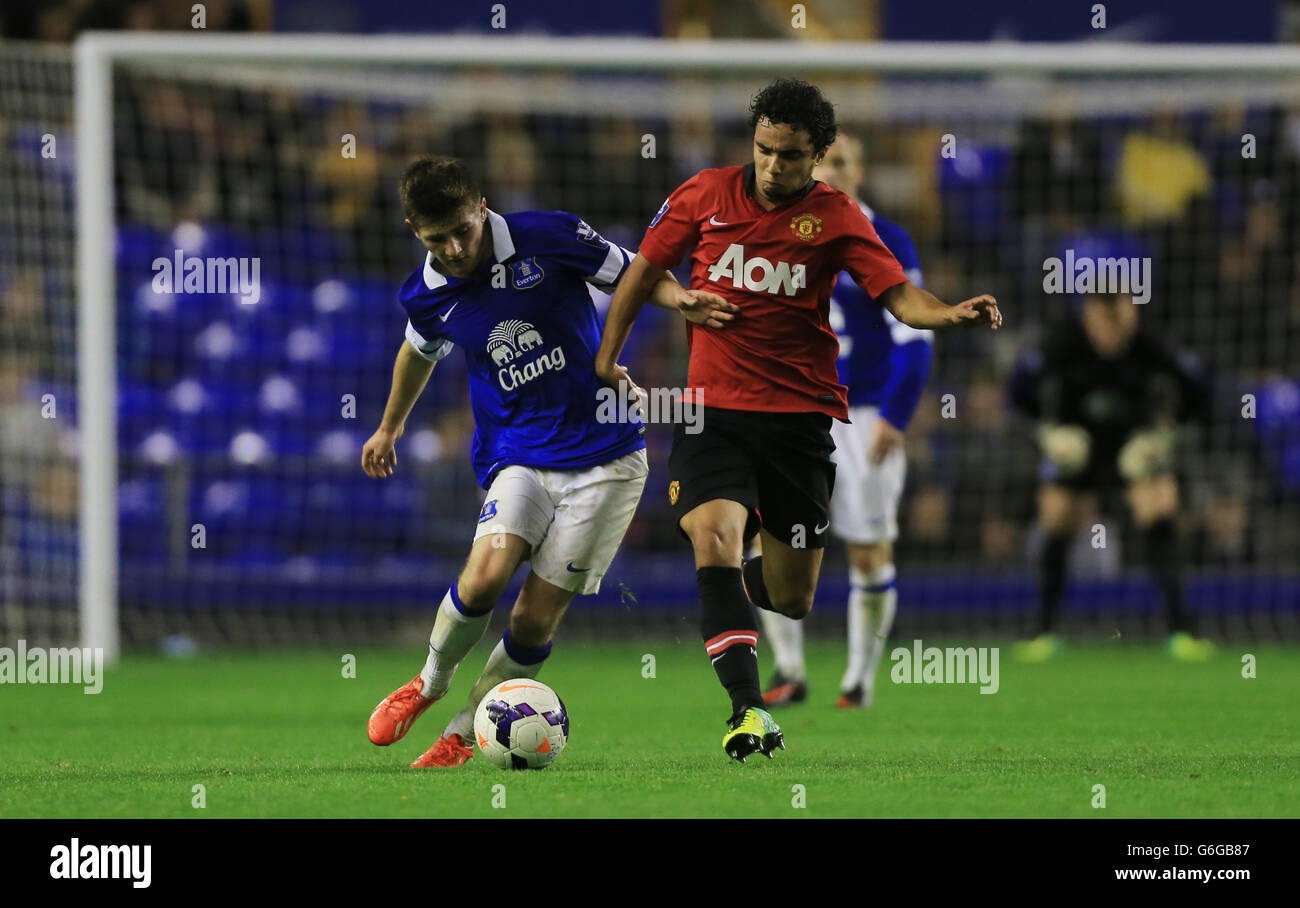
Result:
[{"x": 435, "y": 188}]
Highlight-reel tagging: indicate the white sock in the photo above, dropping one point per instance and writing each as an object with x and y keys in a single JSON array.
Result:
[
  {"x": 786, "y": 636},
  {"x": 453, "y": 636},
  {"x": 857, "y": 630},
  {"x": 873, "y": 601},
  {"x": 500, "y": 667},
  {"x": 462, "y": 724},
  {"x": 880, "y": 604}
]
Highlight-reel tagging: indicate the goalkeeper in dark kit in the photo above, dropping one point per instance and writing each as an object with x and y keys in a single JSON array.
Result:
[{"x": 1108, "y": 398}]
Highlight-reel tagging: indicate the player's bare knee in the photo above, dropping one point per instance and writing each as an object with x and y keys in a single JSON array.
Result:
[
  {"x": 481, "y": 585},
  {"x": 715, "y": 544},
  {"x": 1146, "y": 514},
  {"x": 870, "y": 557},
  {"x": 1152, "y": 500},
  {"x": 532, "y": 627},
  {"x": 538, "y": 611},
  {"x": 794, "y": 604},
  {"x": 1057, "y": 524},
  {"x": 797, "y": 607},
  {"x": 1057, "y": 510}
]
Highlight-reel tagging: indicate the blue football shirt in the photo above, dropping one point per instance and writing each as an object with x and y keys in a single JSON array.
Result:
[
  {"x": 884, "y": 362},
  {"x": 529, "y": 331}
]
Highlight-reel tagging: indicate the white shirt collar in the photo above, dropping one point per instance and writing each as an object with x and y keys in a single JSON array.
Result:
[
  {"x": 502, "y": 243},
  {"x": 503, "y": 246}
]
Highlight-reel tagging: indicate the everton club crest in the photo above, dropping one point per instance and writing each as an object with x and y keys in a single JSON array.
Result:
[{"x": 525, "y": 274}]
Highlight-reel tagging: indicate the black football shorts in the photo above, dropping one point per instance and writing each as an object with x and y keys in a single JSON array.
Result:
[{"x": 778, "y": 465}]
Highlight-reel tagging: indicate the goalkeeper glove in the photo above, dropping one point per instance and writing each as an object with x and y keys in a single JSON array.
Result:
[
  {"x": 1067, "y": 447},
  {"x": 1147, "y": 453}
]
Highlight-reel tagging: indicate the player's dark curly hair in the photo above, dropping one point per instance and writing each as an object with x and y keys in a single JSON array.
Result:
[
  {"x": 435, "y": 188},
  {"x": 798, "y": 105}
]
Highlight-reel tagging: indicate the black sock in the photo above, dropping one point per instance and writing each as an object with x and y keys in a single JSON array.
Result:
[
  {"x": 1162, "y": 556},
  {"x": 1056, "y": 550},
  {"x": 752, "y": 570},
  {"x": 730, "y": 635}
]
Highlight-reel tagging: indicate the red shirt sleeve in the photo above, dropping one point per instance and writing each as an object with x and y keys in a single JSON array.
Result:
[
  {"x": 676, "y": 226},
  {"x": 866, "y": 258}
]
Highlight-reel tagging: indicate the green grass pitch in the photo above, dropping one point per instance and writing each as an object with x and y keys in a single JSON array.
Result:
[{"x": 282, "y": 734}]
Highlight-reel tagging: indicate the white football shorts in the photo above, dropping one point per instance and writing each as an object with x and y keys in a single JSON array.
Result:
[
  {"x": 573, "y": 521},
  {"x": 864, "y": 504}
]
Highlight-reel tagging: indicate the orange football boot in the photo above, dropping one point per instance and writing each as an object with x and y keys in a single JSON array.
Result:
[
  {"x": 446, "y": 751},
  {"x": 394, "y": 716},
  {"x": 783, "y": 691}
]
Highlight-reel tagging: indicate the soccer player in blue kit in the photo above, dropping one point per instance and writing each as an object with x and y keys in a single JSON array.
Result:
[{"x": 511, "y": 292}]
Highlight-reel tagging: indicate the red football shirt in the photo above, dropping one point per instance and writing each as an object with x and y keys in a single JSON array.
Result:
[{"x": 778, "y": 266}]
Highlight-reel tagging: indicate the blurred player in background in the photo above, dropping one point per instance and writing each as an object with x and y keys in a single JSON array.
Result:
[
  {"x": 511, "y": 291},
  {"x": 771, "y": 239},
  {"x": 885, "y": 364},
  {"x": 1107, "y": 396}
]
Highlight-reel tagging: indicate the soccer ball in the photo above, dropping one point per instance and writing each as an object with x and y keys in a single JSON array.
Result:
[{"x": 521, "y": 724}]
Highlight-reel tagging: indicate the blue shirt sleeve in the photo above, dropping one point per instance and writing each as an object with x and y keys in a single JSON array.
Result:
[
  {"x": 900, "y": 243},
  {"x": 578, "y": 247},
  {"x": 909, "y": 365},
  {"x": 430, "y": 346},
  {"x": 421, "y": 332},
  {"x": 909, "y": 368}
]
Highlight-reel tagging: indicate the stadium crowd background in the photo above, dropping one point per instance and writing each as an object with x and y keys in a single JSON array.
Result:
[{"x": 233, "y": 415}]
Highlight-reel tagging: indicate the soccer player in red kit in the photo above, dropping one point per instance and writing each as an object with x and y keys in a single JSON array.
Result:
[{"x": 770, "y": 239}]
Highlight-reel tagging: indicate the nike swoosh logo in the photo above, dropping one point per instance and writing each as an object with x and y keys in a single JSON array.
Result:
[
  {"x": 450, "y": 311},
  {"x": 518, "y": 687},
  {"x": 575, "y": 570},
  {"x": 716, "y": 223},
  {"x": 821, "y": 529},
  {"x": 714, "y": 661}
]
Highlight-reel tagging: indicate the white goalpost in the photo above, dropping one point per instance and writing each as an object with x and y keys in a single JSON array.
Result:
[{"x": 704, "y": 78}]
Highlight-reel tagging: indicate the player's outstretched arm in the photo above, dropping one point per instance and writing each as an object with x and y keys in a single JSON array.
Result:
[
  {"x": 920, "y": 308},
  {"x": 411, "y": 373},
  {"x": 630, "y": 295}
]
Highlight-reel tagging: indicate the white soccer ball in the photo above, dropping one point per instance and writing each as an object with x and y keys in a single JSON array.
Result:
[{"x": 521, "y": 724}]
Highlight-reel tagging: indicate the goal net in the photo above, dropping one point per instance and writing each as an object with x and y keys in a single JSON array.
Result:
[{"x": 240, "y": 243}]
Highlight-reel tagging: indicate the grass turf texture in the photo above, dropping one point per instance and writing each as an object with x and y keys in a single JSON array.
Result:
[{"x": 282, "y": 734}]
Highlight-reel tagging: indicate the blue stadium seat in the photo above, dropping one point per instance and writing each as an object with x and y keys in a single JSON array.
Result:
[
  {"x": 239, "y": 512},
  {"x": 1277, "y": 425},
  {"x": 143, "y": 516},
  {"x": 141, "y": 407},
  {"x": 300, "y": 251},
  {"x": 138, "y": 245},
  {"x": 971, "y": 186}
]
